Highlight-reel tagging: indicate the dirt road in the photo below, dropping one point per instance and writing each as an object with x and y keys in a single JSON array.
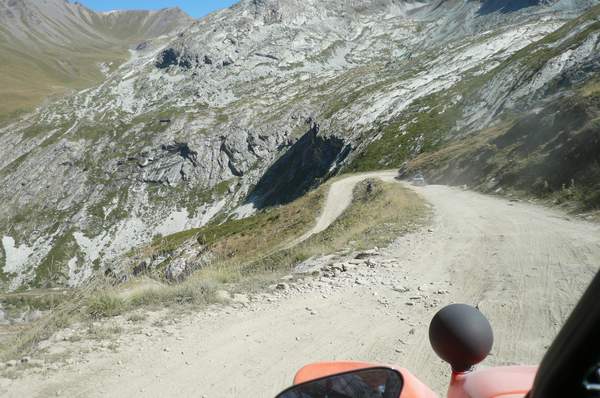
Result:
[
  {"x": 523, "y": 265},
  {"x": 338, "y": 199}
]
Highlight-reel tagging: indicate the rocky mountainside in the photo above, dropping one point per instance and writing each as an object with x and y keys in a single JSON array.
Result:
[
  {"x": 253, "y": 105},
  {"x": 50, "y": 46}
]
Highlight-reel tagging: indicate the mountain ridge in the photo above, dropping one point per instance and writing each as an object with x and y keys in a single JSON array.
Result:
[{"x": 54, "y": 46}]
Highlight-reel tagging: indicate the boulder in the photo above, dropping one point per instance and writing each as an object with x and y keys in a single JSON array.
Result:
[
  {"x": 177, "y": 270},
  {"x": 337, "y": 267},
  {"x": 400, "y": 289},
  {"x": 222, "y": 295},
  {"x": 143, "y": 266},
  {"x": 169, "y": 164},
  {"x": 491, "y": 183},
  {"x": 348, "y": 267},
  {"x": 241, "y": 298},
  {"x": 366, "y": 254},
  {"x": 33, "y": 316},
  {"x": 313, "y": 264}
]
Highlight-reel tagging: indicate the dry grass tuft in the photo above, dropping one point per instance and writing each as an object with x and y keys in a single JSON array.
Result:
[{"x": 104, "y": 305}]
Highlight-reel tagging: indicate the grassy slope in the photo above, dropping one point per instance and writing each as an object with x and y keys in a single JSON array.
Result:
[
  {"x": 552, "y": 154},
  {"x": 416, "y": 131},
  {"x": 33, "y": 71},
  {"x": 27, "y": 79},
  {"x": 30, "y": 72}
]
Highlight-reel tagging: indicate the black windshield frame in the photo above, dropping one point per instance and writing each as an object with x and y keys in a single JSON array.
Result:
[{"x": 574, "y": 352}]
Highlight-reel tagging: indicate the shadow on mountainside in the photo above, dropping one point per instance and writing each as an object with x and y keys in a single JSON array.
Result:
[
  {"x": 505, "y": 6},
  {"x": 309, "y": 161}
]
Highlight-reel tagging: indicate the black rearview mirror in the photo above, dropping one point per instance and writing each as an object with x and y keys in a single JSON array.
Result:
[{"x": 363, "y": 383}]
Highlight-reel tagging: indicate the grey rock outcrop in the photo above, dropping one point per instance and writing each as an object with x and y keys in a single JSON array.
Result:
[
  {"x": 171, "y": 164},
  {"x": 177, "y": 270}
]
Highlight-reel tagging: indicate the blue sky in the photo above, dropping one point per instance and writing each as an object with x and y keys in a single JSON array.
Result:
[{"x": 196, "y": 8}]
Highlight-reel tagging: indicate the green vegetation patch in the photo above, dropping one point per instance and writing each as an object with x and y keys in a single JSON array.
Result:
[
  {"x": 379, "y": 213},
  {"x": 36, "y": 130},
  {"x": 420, "y": 129},
  {"x": 51, "y": 270},
  {"x": 9, "y": 117},
  {"x": 3, "y": 276},
  {"x": 248, "y": 236},
  {"x": 551, "y": 154},
  {"x": 115, "y": 199},
  {"x": 189, "y": 292},
  {"x": 104, "y": 304}
]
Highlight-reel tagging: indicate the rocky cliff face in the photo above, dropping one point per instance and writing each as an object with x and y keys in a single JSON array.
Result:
[{"x": 221, "y": 117}]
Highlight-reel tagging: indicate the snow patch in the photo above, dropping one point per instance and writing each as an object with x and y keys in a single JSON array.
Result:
[
  {"x": 90, "y": 247},
  {"x": 176, "y": 222},
  {"x": 16, "y": 257},
  {"x": 21, "y": 260}
]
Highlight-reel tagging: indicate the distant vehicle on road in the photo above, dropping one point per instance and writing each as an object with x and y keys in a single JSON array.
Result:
[{"x": 418, "y": 180}]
